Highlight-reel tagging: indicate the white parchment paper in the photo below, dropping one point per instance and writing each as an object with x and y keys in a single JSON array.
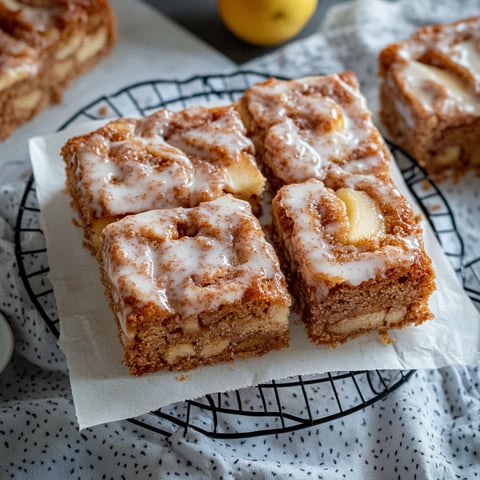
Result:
[{"x": 103, "y": 391}]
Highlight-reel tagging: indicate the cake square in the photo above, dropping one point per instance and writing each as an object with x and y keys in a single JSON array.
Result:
[
  {"x": 194, "y": 286},
  {"x": 301, "y": 126},
  {"x": 430, "y": 95},
  {"x": 64, "y": 38},
  {"x": 353, "y": 255},
  {"x": 168, "y": 159},
  {"x": 19, "y": 65}
]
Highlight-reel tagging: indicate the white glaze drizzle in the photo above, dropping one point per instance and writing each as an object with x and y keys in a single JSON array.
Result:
[
  {"x": 295, "y": 150},
  {"x": 17, "y": 60},
  {"x": 192, "y": 273},
  {"x": 420, "y": 79},
  {"x": 129, "y": 186},
  {"x": 224, "y": 136},
  {"x": 163, "y": 162},
  {"x": 39, "y": 18},
  {"x": 321, "y": 266},
  {"x": 467, "y": 55},
  {"x": 460, "y": 44}
]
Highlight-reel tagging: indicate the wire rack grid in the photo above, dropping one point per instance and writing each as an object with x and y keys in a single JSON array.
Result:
[{"x": 269, "y": 408}]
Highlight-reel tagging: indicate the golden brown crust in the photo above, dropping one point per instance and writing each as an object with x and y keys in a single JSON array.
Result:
[
  {"x": 430, "y": 95},
  {"x": 287, "y": 121},
  {"x": 369, "y": 282},
  {"x": 67, "y": 38},
  {"x": 344, "y": 289},
  {"x": 194, "y": 306},
  {"x": 168, "y": 159}
]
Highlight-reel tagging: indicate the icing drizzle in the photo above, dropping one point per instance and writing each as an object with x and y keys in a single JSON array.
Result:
[{"x": 191, "y": 260}]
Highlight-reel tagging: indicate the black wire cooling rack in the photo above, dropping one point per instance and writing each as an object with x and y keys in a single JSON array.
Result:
[{"x": 276, "y": 406}]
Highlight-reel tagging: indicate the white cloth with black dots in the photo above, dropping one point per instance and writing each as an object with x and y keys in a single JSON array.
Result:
[{"x": 429, "y": 428}]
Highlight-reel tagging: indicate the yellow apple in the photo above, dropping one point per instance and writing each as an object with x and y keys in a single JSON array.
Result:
[
  {"x": 364, "y": 215},
  {"x": 265, "y": 22}
]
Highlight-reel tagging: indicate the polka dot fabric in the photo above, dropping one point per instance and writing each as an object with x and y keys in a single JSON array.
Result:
[{"x": 429, "y": 428}]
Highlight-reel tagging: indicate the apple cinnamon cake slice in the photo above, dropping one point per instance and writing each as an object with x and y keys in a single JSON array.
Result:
[
  {"x": 194, "y": 286},
  {"x": 353, "y": 254},
  {"x": 301, "y": 126},
  {"x": 168, "y": 159},
  {"x": 43, "y": 46},
  {"x": 430, "y": 95}
]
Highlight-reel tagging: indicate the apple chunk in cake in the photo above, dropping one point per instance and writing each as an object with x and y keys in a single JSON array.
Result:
[
  {"x": 166, "y": 160},
  {"x": 301, "y": 126},
  {"x": 194, "y": 286},
  {"x": 353, "y": 254}
]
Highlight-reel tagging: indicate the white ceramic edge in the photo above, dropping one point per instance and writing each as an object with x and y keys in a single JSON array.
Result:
[{"x": 6, "y": 342}]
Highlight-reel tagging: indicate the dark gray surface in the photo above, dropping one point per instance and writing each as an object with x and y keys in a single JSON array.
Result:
[{"x": 202, "y": 19}]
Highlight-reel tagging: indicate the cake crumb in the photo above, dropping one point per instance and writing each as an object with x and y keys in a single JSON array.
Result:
[
  {"x": 419, "y": 218},
  {"x": 181, "y": 378},
  {"x": 385, "y": 338},
  {"x": 426, "y": 185}
]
